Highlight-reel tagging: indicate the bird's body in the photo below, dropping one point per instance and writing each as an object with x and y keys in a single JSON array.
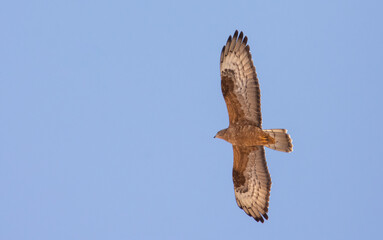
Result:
[
  {"x": 240, "y": 89},
  {"x": 245, "y": 135}
]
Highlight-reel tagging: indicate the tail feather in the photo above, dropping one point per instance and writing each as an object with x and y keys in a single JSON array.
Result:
[{"x": 283, "y": 141}]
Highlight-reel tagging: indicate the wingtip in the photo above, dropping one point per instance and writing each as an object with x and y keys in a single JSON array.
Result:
[
  {"x": 235, "y": 34},
  {"x": 245, "y": 40},
  {"x": 258, "y": 219},
  {"x": 228, "y": 40},
  {"x": 240, "y": 36}
]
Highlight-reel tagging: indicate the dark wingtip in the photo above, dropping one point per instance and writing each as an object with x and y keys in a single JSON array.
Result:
[
  {"x": 245, "y": 40},
  {"x": 235, "y": 34},
  {"x": 266, "y": 216},
  {"x": 240, "y": 36},
  {"x": 228, "y": 40}
]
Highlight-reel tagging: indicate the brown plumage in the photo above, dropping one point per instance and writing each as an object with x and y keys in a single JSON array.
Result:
[{"x": 240, "y": 89}]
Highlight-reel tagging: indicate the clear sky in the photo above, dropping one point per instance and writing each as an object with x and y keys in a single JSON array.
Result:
[{"x": 109, "y": 108}]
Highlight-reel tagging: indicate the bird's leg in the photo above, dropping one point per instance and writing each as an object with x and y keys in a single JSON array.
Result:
[{"x": 266, "y": 139}]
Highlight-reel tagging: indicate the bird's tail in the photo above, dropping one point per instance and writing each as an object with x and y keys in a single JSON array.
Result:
[{"x": 282, "y": 141}]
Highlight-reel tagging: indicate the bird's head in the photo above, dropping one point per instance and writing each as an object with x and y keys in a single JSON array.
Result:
[{"x": 221, "y": 134}]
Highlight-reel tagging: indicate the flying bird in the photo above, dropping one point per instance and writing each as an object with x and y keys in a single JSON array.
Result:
[{"x": 240, "y": 89}]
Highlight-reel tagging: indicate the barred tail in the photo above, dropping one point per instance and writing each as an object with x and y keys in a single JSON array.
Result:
[{"x": 283, "y": 141}]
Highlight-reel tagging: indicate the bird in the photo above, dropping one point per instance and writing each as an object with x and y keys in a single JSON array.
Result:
[{"x": 240, "y": 89}]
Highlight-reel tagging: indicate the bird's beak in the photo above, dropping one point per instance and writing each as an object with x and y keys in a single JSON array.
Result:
[{"x": 215, "y": 136}]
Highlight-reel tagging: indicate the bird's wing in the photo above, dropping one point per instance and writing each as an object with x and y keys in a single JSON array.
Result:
[
  {"x": 239, "y": 82},
  {"x": 252, "y": 181}
]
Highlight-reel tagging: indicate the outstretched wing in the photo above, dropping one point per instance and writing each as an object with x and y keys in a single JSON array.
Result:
[
  {"x": 239, "y": 82},
  {"x": 252, "y": 181}
]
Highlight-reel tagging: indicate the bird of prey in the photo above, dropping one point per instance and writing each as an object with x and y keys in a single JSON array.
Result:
[{"x": 240, "y": 89}]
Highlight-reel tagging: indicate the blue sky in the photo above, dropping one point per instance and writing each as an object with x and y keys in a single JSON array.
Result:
[{"x": 109, "y": 108}]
